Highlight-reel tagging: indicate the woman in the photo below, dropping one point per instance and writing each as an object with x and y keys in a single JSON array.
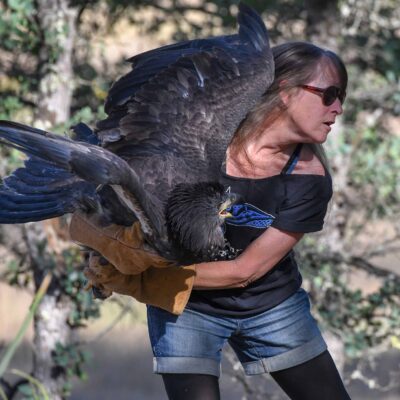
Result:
[
  {"x": 255, "y": 302},
  {"x": 276, "y": 163}
]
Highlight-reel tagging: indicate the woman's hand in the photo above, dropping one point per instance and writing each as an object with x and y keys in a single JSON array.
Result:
[{"x": 258, "y": 258}]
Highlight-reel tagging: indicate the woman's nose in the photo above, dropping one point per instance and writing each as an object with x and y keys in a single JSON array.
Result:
[{"x": 337, "y": 107}]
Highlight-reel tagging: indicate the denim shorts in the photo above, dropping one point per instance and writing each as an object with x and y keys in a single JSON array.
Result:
[{"x": 280, "y": 338}]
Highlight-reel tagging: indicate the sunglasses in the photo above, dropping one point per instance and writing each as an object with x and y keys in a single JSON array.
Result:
[{"x": 328, "y": 95}]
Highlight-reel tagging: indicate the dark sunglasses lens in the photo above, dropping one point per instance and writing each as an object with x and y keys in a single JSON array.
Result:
[{"x": 330, "y": 95}]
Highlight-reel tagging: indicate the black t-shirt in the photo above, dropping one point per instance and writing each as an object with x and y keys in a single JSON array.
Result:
[{"x": 291, "y": 202}]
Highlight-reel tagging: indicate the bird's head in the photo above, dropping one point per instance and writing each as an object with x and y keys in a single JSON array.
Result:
[
  {"x": 195, "y": 215},
  {"x": 223, "y": 210}
]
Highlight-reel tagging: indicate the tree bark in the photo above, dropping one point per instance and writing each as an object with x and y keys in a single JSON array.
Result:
[
  {"x": 51, "y": 318},
  {"x": 57, "y": 21},
  {"x": 58, "y": 26},
  {"x": 51, "y": 328}
]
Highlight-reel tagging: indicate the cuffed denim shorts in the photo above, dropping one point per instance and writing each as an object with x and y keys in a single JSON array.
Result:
[{"x": 280, "y": 338}]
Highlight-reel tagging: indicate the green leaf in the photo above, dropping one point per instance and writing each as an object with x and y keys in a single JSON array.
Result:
[{"x": 26, "y": 390}]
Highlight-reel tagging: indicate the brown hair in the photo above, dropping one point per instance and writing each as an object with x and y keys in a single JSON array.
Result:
[{"x": 296, "y": 63}]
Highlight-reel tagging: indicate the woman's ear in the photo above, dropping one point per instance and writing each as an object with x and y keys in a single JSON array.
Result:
[{"x": 284, "y": 92}]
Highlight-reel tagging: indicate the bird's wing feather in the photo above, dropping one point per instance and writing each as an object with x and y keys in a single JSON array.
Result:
[
  {"x": 41, "y": 190},
  {"x": 150, "y": 63},
  {"x": 90, "y": 163},
  {"x": 27, "y": 195},
  {"x": 171, "y": 119},
  {"x": 186, "y": 114},
  {"x": 147, "y": 65}
]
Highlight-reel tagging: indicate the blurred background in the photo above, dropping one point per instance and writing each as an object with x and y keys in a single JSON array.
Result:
[{"x": 57, "y": 62}]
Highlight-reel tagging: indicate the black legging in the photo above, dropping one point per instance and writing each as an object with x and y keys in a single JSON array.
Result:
[{"x": 314, "y": 379}]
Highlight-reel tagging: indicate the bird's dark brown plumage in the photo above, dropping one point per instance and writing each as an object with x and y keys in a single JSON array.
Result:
[{"x": 170, "y": 121}]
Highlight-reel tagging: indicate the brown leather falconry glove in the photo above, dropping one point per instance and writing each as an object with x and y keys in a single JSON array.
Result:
[
  {"x": 131, "y": 268},
  {"x": 168, "y": 288},
  {"x": 121, "y": 246}
]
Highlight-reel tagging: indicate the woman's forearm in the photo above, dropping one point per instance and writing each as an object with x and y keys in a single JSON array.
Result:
[
  {"x": 258, "y": 258},
  {"x": 230, "y": 274},
  {"x": 217, "y": 275}
]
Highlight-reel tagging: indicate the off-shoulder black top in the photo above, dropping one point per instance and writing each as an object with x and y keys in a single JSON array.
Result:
[{"x": 291, "y": 202}]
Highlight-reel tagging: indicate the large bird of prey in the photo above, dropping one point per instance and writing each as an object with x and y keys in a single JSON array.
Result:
[{"x": 156, "y": 158}]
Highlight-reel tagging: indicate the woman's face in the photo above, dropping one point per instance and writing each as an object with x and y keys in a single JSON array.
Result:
[{"x": 307, "y": 116}]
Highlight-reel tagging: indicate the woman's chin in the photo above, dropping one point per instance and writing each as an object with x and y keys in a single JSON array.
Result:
[
  {"x": 321, "y": 140},
  {"x": 316, "y": 139},
  {"x": 320, "y": 137}
]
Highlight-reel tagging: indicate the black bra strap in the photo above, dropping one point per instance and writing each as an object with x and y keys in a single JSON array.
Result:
[{"x": 289, "y": 167}]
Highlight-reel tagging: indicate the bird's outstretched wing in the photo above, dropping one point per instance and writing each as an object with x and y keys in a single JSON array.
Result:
[
  {"x": 71, "y": 163},
  {"x": 181, "y": 115},
  {"x": 40, "y": 190},
  {"x": 170, "y": 121}
]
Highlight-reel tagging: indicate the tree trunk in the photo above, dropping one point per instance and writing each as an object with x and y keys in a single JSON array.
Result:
[
  {"x": 51, "y": 328},
  {"x": 58, "y": 25},
  {"x": 50, "y": 321},
  {"x": 57, "y": 22}
]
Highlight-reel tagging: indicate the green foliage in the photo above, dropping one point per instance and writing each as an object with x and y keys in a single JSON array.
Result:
[
  {"x": 27, "y": 391},
  {"x": 70, "y": 281},
  {"x": 84, "y": 306},
  {"x": 86, "y": 115},
  {"x": 376, "y": 169},
  {"x": 15, "y": 275},
  {"x": 9, "y": 106},
  {"x": 18, "y": 28},
  {"x": 33, "y": 389},
  {"x": 69, "y": 360},
  {"x": 361, "y": 320}
]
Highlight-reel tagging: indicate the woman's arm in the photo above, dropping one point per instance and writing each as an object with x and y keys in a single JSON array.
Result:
[{"x": 258, "y": 258}]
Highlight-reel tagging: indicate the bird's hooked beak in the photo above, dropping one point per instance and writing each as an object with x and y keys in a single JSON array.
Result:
[
  {"x": 231, "y": 199},
  {"x": 223, "y": 213}
]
